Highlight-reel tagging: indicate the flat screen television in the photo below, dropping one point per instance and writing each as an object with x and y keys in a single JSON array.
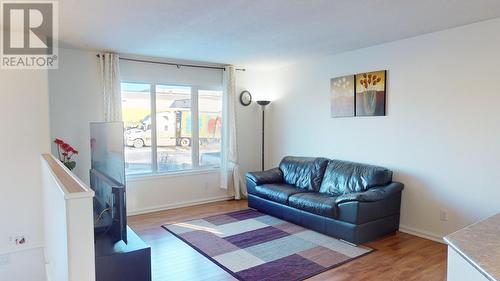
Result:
[{"x": 107, "y": 179}]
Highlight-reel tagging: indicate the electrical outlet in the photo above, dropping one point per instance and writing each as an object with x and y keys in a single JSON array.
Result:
[
  {"x": 20, "y": 240},
  {"x": 443, "y": 215},
  {"x": 4, "y": 260}
]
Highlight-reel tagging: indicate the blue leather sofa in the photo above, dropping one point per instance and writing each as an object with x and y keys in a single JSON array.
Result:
[{"x": 351, "y": 201}]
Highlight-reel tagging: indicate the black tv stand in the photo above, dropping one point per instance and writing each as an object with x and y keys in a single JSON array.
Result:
[{"x": 122, "y": 262}]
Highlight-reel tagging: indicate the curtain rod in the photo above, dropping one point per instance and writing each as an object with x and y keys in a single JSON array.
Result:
[{"x": 178, "y": 65}]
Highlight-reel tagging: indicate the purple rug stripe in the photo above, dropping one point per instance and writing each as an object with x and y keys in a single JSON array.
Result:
[
  {"x": 292, "y": 268},
  {"x": 245, "y": 214},
  {"x": 208, "y": 243},
  {"x": 254, "y": 237},
  {"x": 289, "y": 227},
  {"x": 220, "y": 219}
]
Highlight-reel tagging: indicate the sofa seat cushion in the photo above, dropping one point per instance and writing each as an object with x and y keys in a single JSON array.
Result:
[
  {"x": 277, "y": 192},
  {"x": 316, "y": 203}
]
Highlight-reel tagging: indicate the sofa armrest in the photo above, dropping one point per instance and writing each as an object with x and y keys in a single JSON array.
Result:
[
  {"x": 270, "y": 176},
  {"x": 373, "y": 194}
]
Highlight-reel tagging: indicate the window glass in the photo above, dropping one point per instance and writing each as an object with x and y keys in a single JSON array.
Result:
[
  {"x": 136, "y": 116},
  {"x": 173, "y": 128},
  {"x": 210, "y": 127}
]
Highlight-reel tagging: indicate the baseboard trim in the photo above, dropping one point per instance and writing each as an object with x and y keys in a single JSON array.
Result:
[
  {"x": 178, "y": 205},
  {"x": 12, "y": 250},
  {"x": 422, "y": 233}
]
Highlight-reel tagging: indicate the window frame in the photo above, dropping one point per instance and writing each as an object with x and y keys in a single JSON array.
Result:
[{"x": 196, "y": 168}]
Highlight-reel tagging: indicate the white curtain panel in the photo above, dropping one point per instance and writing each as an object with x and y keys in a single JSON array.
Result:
[
  {"x": 110, "y": 78},
  {"x": 230, "y": 170}
]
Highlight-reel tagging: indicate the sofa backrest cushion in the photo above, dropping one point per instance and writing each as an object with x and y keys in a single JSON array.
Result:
[
  {"x": 303, "y": 172},
  {"x": 342, "y": 177}
]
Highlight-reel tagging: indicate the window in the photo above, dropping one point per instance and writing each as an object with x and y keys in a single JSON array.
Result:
[
  {"x": 173, "y": 128},
  {"x": 170, "y": 128},
  {"x": 210, "y": 125},
  {"x": 136, "y": 116}
]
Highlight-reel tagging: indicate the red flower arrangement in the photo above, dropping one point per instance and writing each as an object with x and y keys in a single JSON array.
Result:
[
  {"x": 369, "y": 81},
  {"x": 67, "y": 153}
]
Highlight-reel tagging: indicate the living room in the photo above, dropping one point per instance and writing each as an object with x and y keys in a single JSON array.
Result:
[{"x": 257, "y": 140}]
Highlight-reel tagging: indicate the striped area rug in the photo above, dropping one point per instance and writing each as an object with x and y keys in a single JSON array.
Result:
[{"x": 253, "y": 246}]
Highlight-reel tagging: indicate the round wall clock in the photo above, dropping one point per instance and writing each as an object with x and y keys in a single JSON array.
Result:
[{"x": 245, "y": 98}]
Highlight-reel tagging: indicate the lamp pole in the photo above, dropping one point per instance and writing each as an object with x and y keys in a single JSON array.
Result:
[{"x": 263, "y": 104}]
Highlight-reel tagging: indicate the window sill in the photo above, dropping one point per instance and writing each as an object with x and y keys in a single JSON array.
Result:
[{"x": 145, "y": 177}]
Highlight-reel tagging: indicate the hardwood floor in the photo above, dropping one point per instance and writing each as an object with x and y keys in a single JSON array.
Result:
[{"x": 397, "y": 257}]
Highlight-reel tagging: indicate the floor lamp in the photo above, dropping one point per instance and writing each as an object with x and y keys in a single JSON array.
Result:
[{"x": 263, "y": 104}]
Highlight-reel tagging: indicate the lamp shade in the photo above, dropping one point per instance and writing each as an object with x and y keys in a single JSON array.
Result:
[{"x": 263, "y": 102}]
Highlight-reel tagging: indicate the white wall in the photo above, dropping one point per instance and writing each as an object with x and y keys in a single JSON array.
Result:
[
  {"x": 25, "y": 136},
  {"x": 132, "y": 71},
  {"x": 249, "y": 118},
  {"x": 24, "y": 265},
  {"x": 163, "y": 192},
  {"x": 75, "y": 101},
  {"x": 442, "y": 128}
]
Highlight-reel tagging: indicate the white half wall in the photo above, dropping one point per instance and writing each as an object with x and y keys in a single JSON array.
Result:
[
  {"x": 441, "y": 132},
  {"x": 68, "y": 224},
  {"x": 25, "y": 136}
]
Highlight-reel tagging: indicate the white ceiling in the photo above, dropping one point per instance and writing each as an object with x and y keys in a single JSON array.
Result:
[{"x": 256, "y": 33}]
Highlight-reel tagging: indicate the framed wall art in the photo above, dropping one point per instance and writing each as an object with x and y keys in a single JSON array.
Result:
[
  {"x": 370, "y": 93},
  {"x": 342, "y": 96},
  {"x": 362, "y": 94}
]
